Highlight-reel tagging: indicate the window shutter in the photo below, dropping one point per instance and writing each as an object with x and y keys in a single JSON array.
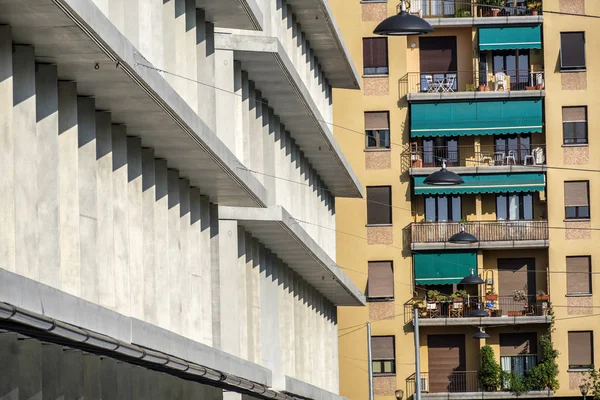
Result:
[
  {"x": 368, "y": 52},
  {"x": 574, "y": 114},
  {"x": 580, "y": 348},
  {"x": 578, "y": 275},
  {"x": 382, "y": 347},
  {"x": 380, "y": 52},
  {"x": 376, "y": 121},
  {"x": 381, "y": 279},
  {"x": 576, "y": 194},
  {"x": 513, "y": 344},
  {"x": 572, "y": 50},
  {"x": 379, "y": 200}
]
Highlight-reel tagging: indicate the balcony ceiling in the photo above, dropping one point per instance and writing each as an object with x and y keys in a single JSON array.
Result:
[
  {"x": 75, "y": 35},
  {"x": 234, "y": 14}
]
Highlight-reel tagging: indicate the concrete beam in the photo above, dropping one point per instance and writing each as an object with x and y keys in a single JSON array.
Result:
[
  {"x": 281, "y": 234},
  {"x": 237, "y": 14}
]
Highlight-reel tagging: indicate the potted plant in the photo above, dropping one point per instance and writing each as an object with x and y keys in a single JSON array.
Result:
[
  {"x": 496, "y": 5},
  {"x": 489, "y": 370},
  {"x": 534, "y": 6},
  {"x": 540, "y": 295},
  {"x": 491, "y": 296},
  {"x": 459, "y": 296}
]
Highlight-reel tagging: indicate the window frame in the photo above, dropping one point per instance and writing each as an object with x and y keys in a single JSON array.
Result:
[
  {"x": 578, "y": 208},
  {"x": 574, "y": 138},
  {"x": 380, "y": 69},
  {"x": 450, "y": 199},
  {"x": 381, "y": 361},
  {"x": 564, "y": 68},
  {"x": 377, "y": 134},
  {"x": 521, "y": 197},
  {"x": 589, "y": 278},
  {"x": 375, "y": 299},
  {"x": 577, "y": 367},
  {"x": 391, "y": 217}
]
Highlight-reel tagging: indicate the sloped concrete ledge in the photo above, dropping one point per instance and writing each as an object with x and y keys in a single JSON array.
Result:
[
  {"x": 283, "y": 87},
  {"x": 281, "y": 233},
  {"x": 236, "y": 14},
  {"x": 297, "y": 388}
]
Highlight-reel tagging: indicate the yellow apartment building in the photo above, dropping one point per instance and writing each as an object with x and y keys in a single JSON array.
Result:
[{"x": 505, "y": 92}]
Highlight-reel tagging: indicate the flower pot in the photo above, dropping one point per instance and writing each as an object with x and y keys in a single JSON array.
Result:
[
  {"x": 539, "y": 86},
  {"x": 459, "y": 300},
  {"x": 491, "y": 297},
  {"x": 534, "y": 12},
  {"x": 529, "y": 87},
  {"x": 495, "y": 12},
  {"x": 542, "y": 297}
]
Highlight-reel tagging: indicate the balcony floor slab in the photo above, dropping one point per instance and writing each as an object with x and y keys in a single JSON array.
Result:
[
  {"x": 509, "y": 244},
  {"x": 509, "y": 94},
  {"x": 453, "y": 22},
  {"x": 492, "y": 169}
]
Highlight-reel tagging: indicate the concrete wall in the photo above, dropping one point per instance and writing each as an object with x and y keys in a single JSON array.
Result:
[{"x": 94, "y": 212}]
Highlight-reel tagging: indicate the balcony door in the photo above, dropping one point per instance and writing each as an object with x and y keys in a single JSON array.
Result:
[
  {"x": 438, "y": 63},
  {"x": 447, "y": 363},
  {"x": 518, "y": 353},
  {"x": 514, "y": 63},
  {"x": 440, "y": 148},
  {"x": 516, "y": 146},
  {"x": 516, "y": 276}
]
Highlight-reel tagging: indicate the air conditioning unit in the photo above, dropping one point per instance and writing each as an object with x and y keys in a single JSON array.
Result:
[{"x": 424, "y": 385}]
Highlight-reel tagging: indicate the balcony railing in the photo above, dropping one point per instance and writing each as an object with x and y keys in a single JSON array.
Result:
[
  {"x": 485, "y": 231},
  {"x": 454, "y": 382},
  {"x": 474, "y": 8},
  {"x": 468, "y": 81},
  {"x": 517, "y": 305},
  {"x": 474, "y": 156}
]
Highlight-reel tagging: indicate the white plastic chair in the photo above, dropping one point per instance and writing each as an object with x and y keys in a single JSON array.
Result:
[
  {"x": 450, "y": 82},
  {"x": 510, "y": 156},
  {"x": 500, "y": 81},
  {"x": 430, "y": 85}
]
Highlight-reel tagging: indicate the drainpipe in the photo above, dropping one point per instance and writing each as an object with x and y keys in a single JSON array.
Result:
[
  {"x": 370, "y": 358},
  {"x": 417, "y": 356}
]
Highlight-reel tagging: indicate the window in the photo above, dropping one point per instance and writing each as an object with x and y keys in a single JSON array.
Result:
[
  {"x": 443, "y": 208},
  {"x": 579, "y": 274},
  {"x": 514, "y": 207},
  {"x": 581, "y": 349},
  {"x": 575, "y": 125},
  {"x": 381, "y": 280},
  {"x": 377, "y": 128},
  {"x": 383, "y": 354},
  {"x": 519, "y": 146},
  {"x": 379, "y": 205},
  {"x": 375, "y": 56},
  {"x": 572, "y": 51},
  {"x": 577, "y": 200},
  {"x": 515, "y": 64}
]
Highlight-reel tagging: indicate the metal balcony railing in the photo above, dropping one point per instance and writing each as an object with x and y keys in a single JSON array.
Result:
[
  {"x": 473, "y": 8},
  {"x": 485, "y": 231},
  {"x": 454, "y": 382},
  {"x": 474, "y": 156},
  {"x": 468, "y": 81},
  {"x": 517, "y": 305}
]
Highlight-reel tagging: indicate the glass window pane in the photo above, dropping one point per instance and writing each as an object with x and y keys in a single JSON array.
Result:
[
  {"x": 442, "y": 206},
  {"x": 570, "y": 212},
  {"x": 371, "y": 141},
  {"x": 501, "y": 208},
  {"x": 376, "y": 367},
  {"x": 513, "y": 207},
  {"x": 568, "y": 132},
  {"x": 584, "y": 212},
  {"x": 388, "y": 366},
  {"x": 527, "y": 206},
  {"x": 428, "y": 152},
  {"x": 384, "y": 138},
  {"x": 456, "y": 209},
  {"x": 430, "y": 209}
]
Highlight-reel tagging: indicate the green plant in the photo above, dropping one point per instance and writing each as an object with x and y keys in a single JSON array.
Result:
[
  {"x": 544, "y": 375},
  {"x": 463, "y": 13},
  {"x": 518, "y": 384},
  {"x": 489, "y": 371},
  {"x": 436, "y": 296},
  {"x": 494, "y": 3},
  {"x": 592, "y": 380},
  {"x": 534, "y": 4}
]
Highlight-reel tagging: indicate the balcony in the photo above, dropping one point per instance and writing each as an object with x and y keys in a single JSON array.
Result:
[
  {"x": 502, "y": 310},
  {"x": 449, "y": 13},
  {"x": 491, "y": 234},
  {"x": 469, "y": 85},
  {"x": 461, "y": 385},
  {"x": 474, "y": 159}
]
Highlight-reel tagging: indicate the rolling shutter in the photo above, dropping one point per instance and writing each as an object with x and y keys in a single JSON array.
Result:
[
  {"x": 580, "y": 349},
  {"x": 376, "y": 121},
  {"x": 379, "y": 201},
  {"x": 576, "y": 194},
  {"x": 382, "y": 347},
  {"x": 513, "y": 344},
  {"x": 381, "y": 279},
  {"x": 375, "y": 52},
  {"x": 578, "y": 275}
]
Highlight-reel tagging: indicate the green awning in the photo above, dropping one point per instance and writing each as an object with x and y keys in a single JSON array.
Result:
[
  {"x": 486, "y": 183},
  {"x": 476, "y": 118},
  {"x": 443, "y": 268},
  {"x": 510, "y": 37}
]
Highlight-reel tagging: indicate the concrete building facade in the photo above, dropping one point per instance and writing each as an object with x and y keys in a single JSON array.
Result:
[
  {"x": 502, "y": 92},
  {"x": 168, "y": 199}
]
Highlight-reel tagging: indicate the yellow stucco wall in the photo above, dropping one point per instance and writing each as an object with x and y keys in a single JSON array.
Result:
[{"x": 353, "y": 252}]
